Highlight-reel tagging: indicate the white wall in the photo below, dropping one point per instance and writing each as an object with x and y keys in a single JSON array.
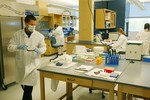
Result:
[
  {"x": 61, "y": 11},
  {"x": 50, "y": 9},
  {"x": 32, "y": 2}
]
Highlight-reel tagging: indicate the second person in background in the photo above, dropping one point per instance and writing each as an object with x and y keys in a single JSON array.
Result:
[
  {"x": 58, "y": 34},
  {"x": 120, "y": 44},
  {"x": 144, "y": 36}
]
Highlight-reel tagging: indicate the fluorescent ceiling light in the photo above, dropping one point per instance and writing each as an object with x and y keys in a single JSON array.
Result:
[
  {"x": 67, "y": 3},
  {"x": 137, "y": 3},
  {"x": 102, "y": 0},
  {"x": 144, "y": 0}
]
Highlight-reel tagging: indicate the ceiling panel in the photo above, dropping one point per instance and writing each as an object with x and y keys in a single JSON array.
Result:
[{"x": 67, "y": 3}]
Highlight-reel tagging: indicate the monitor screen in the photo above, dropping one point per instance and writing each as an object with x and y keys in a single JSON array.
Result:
[
  {"x": 104, "y": 36},
  {"x": 113, "y": 36}
]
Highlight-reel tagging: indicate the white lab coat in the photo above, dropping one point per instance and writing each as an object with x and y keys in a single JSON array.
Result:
[
  {"x": 59, "y": 35},
  {"x": 145, "y": 38},
  {"x": 120, "y": 44},
  {"x": 27, "y": 61}
]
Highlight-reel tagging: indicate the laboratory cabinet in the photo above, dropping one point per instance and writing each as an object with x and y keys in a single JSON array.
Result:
[
  {"x": 105, "y": 19},
  {"x": 50, "y": 50},
  {"x": 69, "y": 21},
  {"x": 55, "y": 18},
  {"x": 8, "y": 26}
]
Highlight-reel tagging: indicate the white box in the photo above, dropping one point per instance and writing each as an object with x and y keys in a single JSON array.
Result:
[{"x": 134, "y": 50}]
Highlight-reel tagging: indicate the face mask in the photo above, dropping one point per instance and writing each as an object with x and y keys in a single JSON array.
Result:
[{"x": 31, "y": 28}]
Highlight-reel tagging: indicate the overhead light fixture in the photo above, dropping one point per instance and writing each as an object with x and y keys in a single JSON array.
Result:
[
  {"x": 102, "y": 0},
  {"x": 62, "y": 7},
  {"x": 137, "y": 3}
]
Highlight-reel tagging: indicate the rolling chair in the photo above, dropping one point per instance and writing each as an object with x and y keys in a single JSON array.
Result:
[{"x": 55, "y": 45}]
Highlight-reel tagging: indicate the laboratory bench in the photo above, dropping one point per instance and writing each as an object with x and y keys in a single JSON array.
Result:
[
  {"x": 71, "y": 44},
  {"x": 135, "y": 80},
  {"x": 70, "y": 38},
  {"x": 70, "y": 76}
]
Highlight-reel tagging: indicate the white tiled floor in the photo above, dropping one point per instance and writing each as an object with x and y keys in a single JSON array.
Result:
[{"x": 14, "y": 92}]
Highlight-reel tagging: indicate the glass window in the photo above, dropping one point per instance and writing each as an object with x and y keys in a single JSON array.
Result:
[{"x": 137, "y": 24}]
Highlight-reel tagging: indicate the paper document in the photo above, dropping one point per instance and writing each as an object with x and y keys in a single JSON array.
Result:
[
  {"x": 98, "y": 72},
  {"x": 84, "y": 68},
  {"x": 63, "y": 66}
]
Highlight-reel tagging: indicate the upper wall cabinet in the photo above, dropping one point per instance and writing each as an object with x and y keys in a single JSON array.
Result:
[
  {"x": 55, "y": 19},
  {"x": 105, "y": 19}
]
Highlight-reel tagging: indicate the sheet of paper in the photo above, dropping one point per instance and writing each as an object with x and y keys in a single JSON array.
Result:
[
  {"x": 63, "y": 66},
  {"x": 84, "y": 68},
  {"x": 98, "y": 72}
]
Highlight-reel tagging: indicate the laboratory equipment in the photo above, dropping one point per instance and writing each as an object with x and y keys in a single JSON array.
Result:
[
  {"x": 133, "y": 50},
  {"x": 111, "y": 58},
  {"x": 146, "y": 58},
  {"x": 80, "y": 50},
  {"x": 104, "y": 35},
  {"x": 98, "y": 50},
  {"x": 8, "y": 26}
]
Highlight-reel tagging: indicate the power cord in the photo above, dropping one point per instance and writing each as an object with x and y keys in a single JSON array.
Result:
[{"x": 91, "y": 10}]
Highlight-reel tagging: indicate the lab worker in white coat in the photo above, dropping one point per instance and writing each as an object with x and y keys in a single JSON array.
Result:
[
  {"x": 144, "y": 36},
  {"x": 28, "y": 45},
  {"x": 58, "y": 34},
  {"x": 120, "y": 44}
]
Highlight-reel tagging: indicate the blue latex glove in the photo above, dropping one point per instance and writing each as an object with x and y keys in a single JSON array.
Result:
[
  {"x": 22, "y": 47},
  {"x": 37, "y": 51}
]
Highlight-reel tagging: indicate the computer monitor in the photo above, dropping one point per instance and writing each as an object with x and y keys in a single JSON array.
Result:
[
  {"x": 104, "y": 36},
  {"x": 113, "y": 36}
]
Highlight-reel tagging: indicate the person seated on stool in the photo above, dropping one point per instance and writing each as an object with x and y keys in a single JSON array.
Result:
[
  {"x": 59, "y": 35},
  {"x": 120, "y": 44}
]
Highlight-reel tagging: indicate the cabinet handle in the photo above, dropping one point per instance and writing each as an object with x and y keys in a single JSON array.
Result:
[{"x": 70, "y": 79}]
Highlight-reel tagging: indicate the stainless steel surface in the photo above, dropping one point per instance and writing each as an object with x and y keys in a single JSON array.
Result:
[
  {"x": 136, "y": 74},
  {"x": 9, "y": 25}
]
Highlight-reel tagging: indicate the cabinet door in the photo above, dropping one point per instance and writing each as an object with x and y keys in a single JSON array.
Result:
[
  {"x": 49, "y": 49},
  {"x": 100, "y": 19},
  {"x": 113, "y": 20},
  {"x": 105, "y": 19}
]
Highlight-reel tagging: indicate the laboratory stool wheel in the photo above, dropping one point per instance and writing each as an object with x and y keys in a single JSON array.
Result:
[
  {"x": 90, "y": 91},
  {"x": 4, "y": 87}
]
